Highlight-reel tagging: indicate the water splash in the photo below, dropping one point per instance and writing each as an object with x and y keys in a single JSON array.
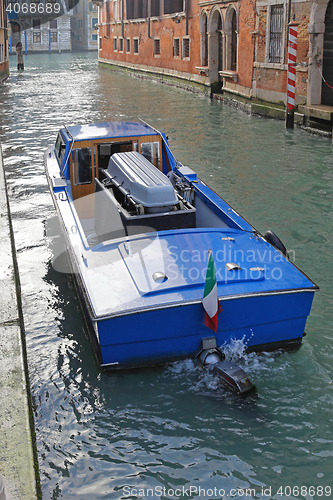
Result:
[{"x": 235, "y": 349}]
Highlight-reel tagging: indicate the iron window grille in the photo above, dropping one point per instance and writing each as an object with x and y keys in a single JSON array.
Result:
[
  {"x": 276, "y": 34},
  {"x": 176, "y": 47},
  {"x": 135, "y": 45},
  {"x": 186, "y": 48},
  {"x": 157, "y": 47}
]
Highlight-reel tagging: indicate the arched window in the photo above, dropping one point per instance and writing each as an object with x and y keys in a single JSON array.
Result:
[
  {"x": 327, "y": 94},
  {"x": 231, "y": 39},
  {"x": 204, "y": 39},
  {"x": 215, "y": 46},
  {"x": 233, "y": 42},
  {"x": 220, "y": 42}
]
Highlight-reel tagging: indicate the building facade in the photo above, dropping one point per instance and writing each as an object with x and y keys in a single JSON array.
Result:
[
  {"x": 4, "y": 60},
  {"x": 84, "y": 26},
  {"x": 237, "y": 48},
  {"x": 51, "y": 36},
  {"x": 40, "y": 25}
]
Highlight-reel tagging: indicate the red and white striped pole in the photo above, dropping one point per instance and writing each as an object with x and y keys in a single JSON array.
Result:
[{"x": 291, "y": 75}]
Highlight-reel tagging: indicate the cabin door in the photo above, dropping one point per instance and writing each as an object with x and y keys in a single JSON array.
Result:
[{"x": 82, "y": 180}]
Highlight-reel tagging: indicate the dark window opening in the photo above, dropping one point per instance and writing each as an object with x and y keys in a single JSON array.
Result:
[
  {"x": 137, "y": 9},
  {"x": 155, "y": 8},
  {"x": 172, "y": 6},
  {"x": 220, "y": 42},
  {"x": 186, "y": 48},
  {"x": 157, "y": 47},
  {"x": 176, "y": 47},
  {"x": 205, "y": 47}
]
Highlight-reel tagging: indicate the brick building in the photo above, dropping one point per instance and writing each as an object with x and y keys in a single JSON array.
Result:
[
  {"x": 234, "y": 48},
  {"x": 4, "y": 61}
]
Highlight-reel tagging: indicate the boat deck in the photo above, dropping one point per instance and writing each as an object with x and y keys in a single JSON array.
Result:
[{"x": 170, "y": 267}]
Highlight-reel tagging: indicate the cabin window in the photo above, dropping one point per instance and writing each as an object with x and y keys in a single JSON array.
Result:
[
  {"x": 82, "y": 166},
  {"x": 60, "y": 148},
  {"x": 58, "y": 145},
  {"x": 151, "y": 151},
  {"x": 106, "y": 150}
]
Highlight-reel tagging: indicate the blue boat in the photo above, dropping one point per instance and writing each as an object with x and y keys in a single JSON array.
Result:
[{"x": 140, "y": 227}]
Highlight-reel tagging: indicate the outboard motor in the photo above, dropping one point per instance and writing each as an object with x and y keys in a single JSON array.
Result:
[{"x": 232, "y": 375}]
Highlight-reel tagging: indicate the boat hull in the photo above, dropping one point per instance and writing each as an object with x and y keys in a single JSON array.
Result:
[
  {"x": 141, "y": 268},
  {"x": 142, "y": 338}
]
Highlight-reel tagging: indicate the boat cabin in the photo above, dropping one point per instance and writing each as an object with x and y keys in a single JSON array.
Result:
[
  {"x": 124, "y": 180},
  {"x": 83, "y": 152}
]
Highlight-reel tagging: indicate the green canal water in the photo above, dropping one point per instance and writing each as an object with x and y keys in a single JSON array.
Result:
[{"x": 171, "y": 432}]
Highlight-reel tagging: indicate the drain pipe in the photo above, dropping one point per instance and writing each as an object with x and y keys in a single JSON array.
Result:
[
  {"x": 122, "y": 19},
  {"x": 289, "y": 16},
  {"x": 149, "y": 16},
  {"x": 186, "y": 14}
]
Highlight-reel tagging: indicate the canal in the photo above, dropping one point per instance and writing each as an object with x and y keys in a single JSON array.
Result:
[{"x": 101, "y": 435}]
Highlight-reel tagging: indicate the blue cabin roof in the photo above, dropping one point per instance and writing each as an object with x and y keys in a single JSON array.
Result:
[{"x": 104, "y": 130}]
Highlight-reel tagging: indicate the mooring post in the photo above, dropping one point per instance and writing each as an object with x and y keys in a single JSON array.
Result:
[
  {"x": 291, "y": 74},
  {"x": 19, "y": 52}
]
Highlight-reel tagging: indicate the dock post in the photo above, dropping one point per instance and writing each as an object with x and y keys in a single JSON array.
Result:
[
  {"x": 291, "y": 74},
  {"x": 19, "y": 52}
]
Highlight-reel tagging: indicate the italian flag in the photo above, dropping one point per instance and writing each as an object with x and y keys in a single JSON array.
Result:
[{"x": 210, "y": 300}]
